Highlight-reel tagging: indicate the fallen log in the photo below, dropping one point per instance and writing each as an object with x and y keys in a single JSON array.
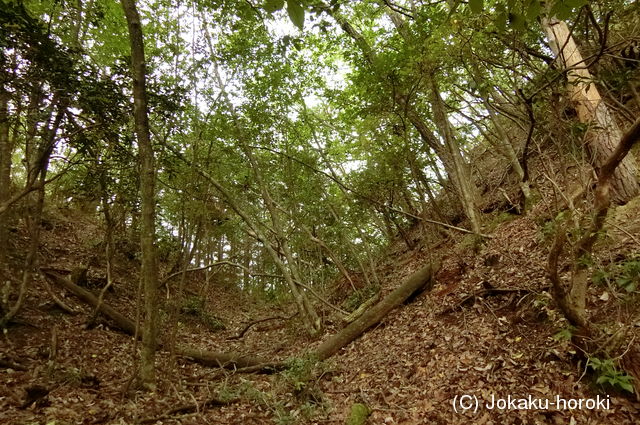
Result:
[
  {"x": 255, "y": 322},
  {"x": 120, "y": 320},
  {"x": 184, "y": 409},
  {"x": 207, "y": 358},
  {"x": 422, "y": 280},
  {"x": 419, "y": 281},
  {"x": 226, "y": 360}
]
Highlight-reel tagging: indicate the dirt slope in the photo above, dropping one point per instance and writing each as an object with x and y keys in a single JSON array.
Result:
[{"x": 408, "y": 370}]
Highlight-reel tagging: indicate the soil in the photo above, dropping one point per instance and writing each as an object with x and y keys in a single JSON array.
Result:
[{"x": 465, "y": 338}]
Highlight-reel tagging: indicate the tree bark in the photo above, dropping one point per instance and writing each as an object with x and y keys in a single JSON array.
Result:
[
  {"x": 461, "y": 174},
  {"x": 6, "y": 150},
  {"x": 573, "y": 302},
  {"x": 603, "y": 132},
  {"x": 423, "y": 279},
  {"x": 149, "y": 269},
  {"x": 121, "y": 321}
]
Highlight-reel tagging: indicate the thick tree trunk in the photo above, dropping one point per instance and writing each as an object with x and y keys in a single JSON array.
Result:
[
  {"x": 603, "y": 133},
  {"x": 423, "y": 279},
  {"x": 149, "y": 269}
]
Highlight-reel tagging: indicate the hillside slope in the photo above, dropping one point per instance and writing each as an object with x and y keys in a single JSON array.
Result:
[{"x": 487, "y": 330}]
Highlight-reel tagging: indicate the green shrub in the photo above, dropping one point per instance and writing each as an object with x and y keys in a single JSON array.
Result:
[
  {"x": 609, "y": 374},
  {"x": 625, "y": 274}
]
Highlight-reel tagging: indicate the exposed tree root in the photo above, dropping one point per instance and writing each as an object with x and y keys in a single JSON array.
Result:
[{"x": 482, "y": 294}]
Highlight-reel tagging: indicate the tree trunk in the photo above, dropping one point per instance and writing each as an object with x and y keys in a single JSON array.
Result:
[
  {"x": 461, "y": 174},
  {"x": 6, "y": 150},
  {"x": 149, "y": 269},
  {"x": 449, "y": 154},
  {"x": 423, "y": 279},
  {"x": 603, "y": 133},
  {"x": 573, "y": 302}
]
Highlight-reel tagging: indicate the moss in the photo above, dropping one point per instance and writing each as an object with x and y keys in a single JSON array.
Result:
[
  {"x": 498, "y": 219},
  {"x": 359, "y": 414}
]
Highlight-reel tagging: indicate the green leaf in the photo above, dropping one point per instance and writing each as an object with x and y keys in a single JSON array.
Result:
[
  {"x": 574, "y": 4},
  {"x": 627, "y": 283},
  {"x": 501, "y": 18},
  {"x": 533, "y": 11},
  {"x": 517, "y": 21},
  {"x": 296, "y": 13},
  {"x": 273, "y": 5},
  {"x": 476, "y": 6},
  {"x": 563, "y": 335},
  {"x": 560, "y": 10},
  {"x": 626, "y": 385}
]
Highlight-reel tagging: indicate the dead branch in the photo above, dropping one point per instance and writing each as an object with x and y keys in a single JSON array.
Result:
[
  {"x": 255, "y": 322},
  {"x": 64, "y": 307},
  {"x": 184, "y": 409},
  {"x": 7, "y": 363},
  {"x": 121, "y": 321},
  {"x": 207, "y": 358},
  {"x": 572, "y": 304},
  {"x": 483, "y": 293}
]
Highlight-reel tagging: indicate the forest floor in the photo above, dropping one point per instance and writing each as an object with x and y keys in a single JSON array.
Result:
[{"x": 407, "y": 370}]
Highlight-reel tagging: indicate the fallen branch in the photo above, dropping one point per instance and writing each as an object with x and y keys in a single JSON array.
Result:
[
  {"x": 207, "y": 358},
  {"x": 225, "y": 360},
  {"x": 421, "y": 280},
  {"x": 480, "y": 294},
  {"x": 255, "y": 322},
  {"x": 121, "y": 321},
  {"x": 7, "y": 363},
  {"x": 184, "y": 409},
  {"x": 64, "y": 307}
]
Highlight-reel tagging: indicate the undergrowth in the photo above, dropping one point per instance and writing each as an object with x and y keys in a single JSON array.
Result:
[
  {"x": 609, "y": 374},
  {"x": 195, "y": 306}
]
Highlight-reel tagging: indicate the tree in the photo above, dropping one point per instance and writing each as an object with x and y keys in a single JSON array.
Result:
[
  {"x": 149, "y": 268},
  {"x": 602, "y": 133}
]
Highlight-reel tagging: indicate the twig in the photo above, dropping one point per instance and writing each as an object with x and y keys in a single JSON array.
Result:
[
  {"x": 189, "y": 408},
  {"x": 255, "y": 322},
  {"x": 57, "y": 300},
  {"x": 482, "y": 293}
]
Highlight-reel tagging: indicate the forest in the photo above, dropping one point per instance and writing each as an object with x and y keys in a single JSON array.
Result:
[{"x": 319, "y": 212}]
